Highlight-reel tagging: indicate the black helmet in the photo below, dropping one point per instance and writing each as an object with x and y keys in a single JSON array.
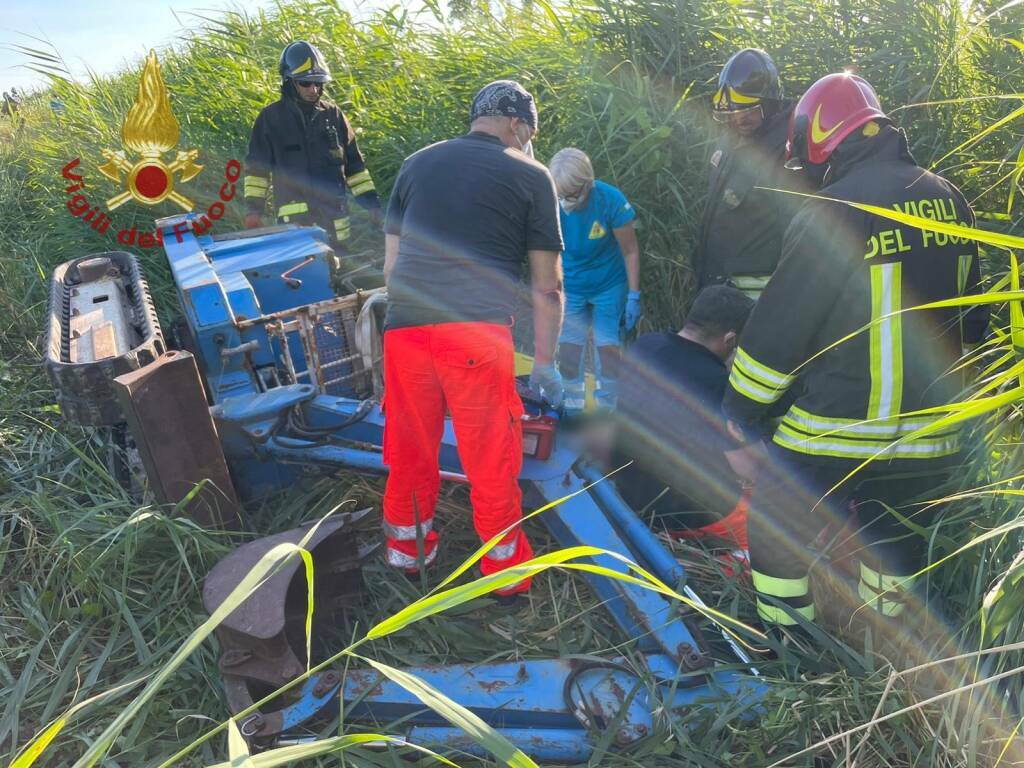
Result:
[
  {"x": 303, "y": 61},
  {"x": 748, "y": 79}
]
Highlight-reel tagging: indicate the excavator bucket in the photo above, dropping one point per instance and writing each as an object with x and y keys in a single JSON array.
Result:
[{"x": 262, "y": 640}]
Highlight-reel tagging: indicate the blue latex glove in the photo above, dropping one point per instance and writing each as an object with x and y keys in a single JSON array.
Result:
[
  {"x": 546, "y": 383},
  {"x": 633, "y": 310}
]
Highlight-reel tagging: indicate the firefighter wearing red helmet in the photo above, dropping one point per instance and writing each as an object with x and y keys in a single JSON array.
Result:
[
  {"x": 742, "y": 225},
  {"x": 306, "y": 145},
  {"x": 859, "y": 394}
]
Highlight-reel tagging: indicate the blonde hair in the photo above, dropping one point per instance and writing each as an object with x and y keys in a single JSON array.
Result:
[{"x": 572, "y": 171}]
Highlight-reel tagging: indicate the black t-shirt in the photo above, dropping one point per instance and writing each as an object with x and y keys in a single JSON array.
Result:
[
  {"x": 467, "y": 211},
  {"x": 671, "y": 426}
]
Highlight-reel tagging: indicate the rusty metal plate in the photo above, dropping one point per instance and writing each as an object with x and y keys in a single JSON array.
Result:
[{"x": 165, "y": 407}]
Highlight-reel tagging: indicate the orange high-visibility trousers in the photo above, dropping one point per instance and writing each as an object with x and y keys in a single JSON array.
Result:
[{"x": 468, "y": 370}]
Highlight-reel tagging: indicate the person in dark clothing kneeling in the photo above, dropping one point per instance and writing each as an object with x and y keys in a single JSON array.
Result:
[{"x": 670, "y": 423}]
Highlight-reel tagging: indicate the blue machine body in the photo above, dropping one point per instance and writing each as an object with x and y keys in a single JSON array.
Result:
[{"x": 234, "y": 297}]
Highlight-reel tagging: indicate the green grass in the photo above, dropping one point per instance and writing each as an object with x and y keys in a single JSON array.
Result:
[{"x": 96, "y": 593}]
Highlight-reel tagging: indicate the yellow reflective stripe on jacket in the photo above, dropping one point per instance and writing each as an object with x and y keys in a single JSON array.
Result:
[
  {"x": 342, "y": 228},
  {"x": 879, "y": 429},
  {"x": 255, "y": 186},
  {"x": 361, "y": 183},
  {"x": 774, "y": 614},
  {"x": 886, "y": 341},
  {"x": 779, "y": 587},
  {"x": 846, "y": 448},
  {"x": 292, "y": 209},
  {"x": 963, "y": 271},
  {"x": 750, "y": 285},
  {"x": 750, "y": 281},
  {"x": 751, "y": 389},
  {"x": 757, "y": 381},
  {"x": 761, "y": 371}
]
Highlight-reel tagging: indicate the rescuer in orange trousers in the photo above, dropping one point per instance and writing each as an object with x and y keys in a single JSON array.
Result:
[{"x": 463, "y": 217}]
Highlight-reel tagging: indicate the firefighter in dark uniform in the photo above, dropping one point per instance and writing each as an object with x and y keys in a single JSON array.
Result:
[
  {"x": 304, "y": 143},
  {"x": 741, "y": 231},
  {"x": 860, "y": 393}
]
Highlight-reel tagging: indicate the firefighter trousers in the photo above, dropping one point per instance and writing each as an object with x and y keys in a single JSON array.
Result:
[
  {"x": 796, "y": 499},
  {"x": 466, "y": 369}
]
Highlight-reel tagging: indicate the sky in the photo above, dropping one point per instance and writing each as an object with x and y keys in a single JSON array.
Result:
[{"x": 105, "y": 36}]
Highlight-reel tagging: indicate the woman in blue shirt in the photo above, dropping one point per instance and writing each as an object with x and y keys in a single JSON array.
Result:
[{"x": 601, "y": 261}]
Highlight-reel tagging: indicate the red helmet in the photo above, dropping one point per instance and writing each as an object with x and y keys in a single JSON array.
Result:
[{"x": 830, "y": 110}]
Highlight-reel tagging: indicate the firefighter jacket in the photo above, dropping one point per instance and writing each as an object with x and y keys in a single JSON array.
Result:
[
  {"x": 830, "y": 322},
  {"x": 311, "y": 154},
  {"x": 741, "y": 231}
]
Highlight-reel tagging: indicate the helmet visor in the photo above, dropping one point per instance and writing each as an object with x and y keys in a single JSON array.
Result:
[{"x": 726, "y": 115}]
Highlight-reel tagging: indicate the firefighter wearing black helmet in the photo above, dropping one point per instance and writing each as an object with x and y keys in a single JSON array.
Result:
[
  {"x": 304, "y": 143},
  {"x": 741, "y": 231}
]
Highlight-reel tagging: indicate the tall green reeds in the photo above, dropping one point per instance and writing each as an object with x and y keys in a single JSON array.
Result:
[{"x": 96, "y": 593}]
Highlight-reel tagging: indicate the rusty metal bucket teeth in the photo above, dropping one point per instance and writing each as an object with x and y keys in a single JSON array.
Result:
[{"x": 254, "y": 638}]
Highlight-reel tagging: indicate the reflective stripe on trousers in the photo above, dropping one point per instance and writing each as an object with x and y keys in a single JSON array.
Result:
[
  {"x": 503, "y": 552},
  {"x": 398, "y": 559},
  {"x": 882, "y": 592},
  {"x": 408, "y": 532},
  {"x": 467, "y": 369},
  {"x": 788, "y": 599}
]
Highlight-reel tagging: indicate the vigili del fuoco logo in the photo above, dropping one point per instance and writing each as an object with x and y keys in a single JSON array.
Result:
[{"x": 149, "y": 131}]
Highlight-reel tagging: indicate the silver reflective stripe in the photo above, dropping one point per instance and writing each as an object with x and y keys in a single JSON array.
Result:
[
  {"x": 750, "y": 282},
  {"x": 840, "y": 448},
  {"x": 407, "y": 532},
  {"x": 503, "y": 551},
  {"x": 881, "y": 428},
  {"x": 751, "y": 286},
  {"x": 511, "y": 589},
  {"x": 398, "y": 559},
  {"x": 886, "y": 341}
]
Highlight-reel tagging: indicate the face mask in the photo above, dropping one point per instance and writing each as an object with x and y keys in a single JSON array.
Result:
[
  {"x": 578, "y": 199},
  {"x": 525, "y": 147}
]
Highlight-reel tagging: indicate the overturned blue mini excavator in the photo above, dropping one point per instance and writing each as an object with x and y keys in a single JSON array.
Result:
[{"x": 291, "y": 373}]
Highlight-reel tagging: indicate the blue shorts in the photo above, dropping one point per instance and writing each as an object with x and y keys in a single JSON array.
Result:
[{"x": 601, "y": 311}]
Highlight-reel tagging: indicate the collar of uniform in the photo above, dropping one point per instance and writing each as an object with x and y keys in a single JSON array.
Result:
[
  {"x": 699, "y": 348},
  {"x": 483, "y": 136},
  {"x": 316, "y": 106},
  {"x": 889, "y": 146}
]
